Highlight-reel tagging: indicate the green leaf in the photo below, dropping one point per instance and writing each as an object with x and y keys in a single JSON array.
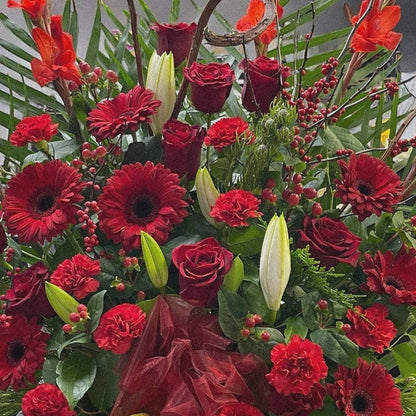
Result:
[
  {"x": 254, "y": 297},
  {"x": 337, "y": 347},
  {"x": 233, "y": 310},
  {"x": 295, "y": 325},
  {"x": 104, "y": 390},
  {"x": 174, "y": 11},
  {"x": 76, "y": 375},
  {"x": 336, "y": 138},
  {"x": 49, "y": 370},
  {"x": 246, "y": 241},
  {"x": 309, "y": 302},
  {"x": 95, "y": 309},
  {"x": 63, "y": 148},
  {"x": 94, "y": 40},
  {"x": 405, "y": 356}
]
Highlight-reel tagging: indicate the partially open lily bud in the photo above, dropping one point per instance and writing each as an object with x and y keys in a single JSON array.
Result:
[
  {"x": 206, "y": 193},
  {"x": 62, "y": 303},
  {"x": 275, "y": 264}
]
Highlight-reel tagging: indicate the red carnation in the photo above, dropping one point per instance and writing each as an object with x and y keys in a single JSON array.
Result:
[
  {"x": 40, "y": 202},
  {"x": 22, "y": 352},
  {"x": 141, "y": 198},
  {"x": 46, "y": 400},
  {"x": 75, "y": 275},
  {"x": 227, "y": 131},
  {"x": 369, "y": 185},
  {"x": 297, "y": 366},
  {"x": 366, "y": 390},
  {"x": 235, "y": 207},
  {"x": 392, "y": 275},
  {"x": 239, "y": 409},
  {"x": 122, "y": 114},
  {"x": 119, "y": 326},
  {"x": 34, "y": 129},
  {"x": 27, "y": 293},
  {"x": 370, "y": 328}
]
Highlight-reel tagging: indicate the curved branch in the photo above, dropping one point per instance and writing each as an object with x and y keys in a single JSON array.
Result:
[{"x": 238, "y": 38}]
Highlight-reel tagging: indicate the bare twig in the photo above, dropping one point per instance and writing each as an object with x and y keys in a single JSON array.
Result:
[{"x": 136, "y": 44}]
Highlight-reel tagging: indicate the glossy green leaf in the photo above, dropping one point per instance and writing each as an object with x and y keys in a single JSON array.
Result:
[
  {"x": 93, "y": 45},
  {"x": 95, "y": 309},
  {"x": 405, "y": 355}
]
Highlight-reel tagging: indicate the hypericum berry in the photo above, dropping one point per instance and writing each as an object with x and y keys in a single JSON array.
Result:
[
  {"x": 265, "y": 336},
  {"x": 257, "y": 319},
  {"x": 250, "y": 322},
  {"x": 83, "y": 314},
  {"x": 84, "y": 67},
  {"x": 293, "y": 199},
  {"x": 141, "y": 295},
  {"x": 81, "y": 307},
  {"x": 245, "y": 332},
  {"x": 268, "y": 195},
  {"x": 67, "y": 328},
  {"x": 317, "y": 209},
  {"x": 298, "y": 189},
  {"x": 297, "y": 178},
  {"x": 270, "y": 183},
  {"x": 310, "y": 193},
  {"x": 120, "y": 287},
  {"x": 323, "y": 304},
  {"x": 111, "y": 76},
  {"x": 74, "y": 317},
  {"x": 346, "y": 328},
  {"x": 413, "y": 220}
]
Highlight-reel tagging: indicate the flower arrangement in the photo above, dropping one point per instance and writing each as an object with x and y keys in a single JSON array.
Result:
[{"x": 189, "y": 234}]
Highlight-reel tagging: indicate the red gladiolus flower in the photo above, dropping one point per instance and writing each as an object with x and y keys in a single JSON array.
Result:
[
  {"x": 297, "y": 404},
  {"x": 141, "y": 198},
  {"x": 254, "y": 14},
  {"x": 227, "y": 131},
  {"x": 22, "y": 352},
  {"x": 34, "y": 129},
  {"x": 369, "y": 185},
  {"x": 27, "y": 293},
  {"x": 175, "y": 38},
  {"x": 210, "y": 85},
  {"x": 202, "y": 267},
  {"x": 297, "y": 366},
  {"x": 46, "y": 400},
  {"x": 119, "y": 326},
  {"x": 182, "y": 145},
  {"x": 57, "y": 55},
  {"x": 239, "y": 409},
  {"x": 75, "y": 275},
  {"x": 366, "y": 390},
  {"x": 122, "y": 114},
  {"x": 376, "y": 28},
  {"x": 392, "y": 275},
  {"x": 39, "y": 202},
  {"x": 34, "y": 8},
  {"x": 235, "y": 207},
  {"x": 370, "y": 328}
]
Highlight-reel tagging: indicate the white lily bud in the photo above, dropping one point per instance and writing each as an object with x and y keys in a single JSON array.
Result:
[
  {"x": 161, "y": 80},
  {"x": 275, "y": 262},
  {"x": 206, "y": 193}
]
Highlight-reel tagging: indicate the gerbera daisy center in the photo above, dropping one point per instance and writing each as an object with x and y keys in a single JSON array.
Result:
[
  {"x": 143, "y": 210},
  {"x": 44, "y": 203},
  {"x": 15, "y": 352},
  {"x": 362, "y": 404},
  {"x": 365, "y": 188},
  {"x": 393, "y": 281}
]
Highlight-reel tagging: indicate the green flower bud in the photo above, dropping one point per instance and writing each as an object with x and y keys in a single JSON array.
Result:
[
  {"x": 206, "y": 193},
  {"x": 155, "y": 261},
  {"x": 62, "y": 303}
]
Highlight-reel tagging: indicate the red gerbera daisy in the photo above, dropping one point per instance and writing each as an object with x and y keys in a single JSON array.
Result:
[
  {"x": 39, "y": 202},
  {"x": 239, "y": 409},
  {"x": 75, "y": 275},
  {"x": 141, "y": 198},
  {"x": 369, "y": 185},
  {"x": 22, "y": 351},
  {"x": 226, "y": 131},
  {"x": 235, "y": 207},
  {"x": 46, "y": 400},
  {"x": 367, "y": 390},
  {"x": 297, "y": 366},
  {"x": 393, "y": 275},
  {"x": 119, "y": 326},
  {"x": 370, "y": 328},
  {"x": 122, "y": 114}
]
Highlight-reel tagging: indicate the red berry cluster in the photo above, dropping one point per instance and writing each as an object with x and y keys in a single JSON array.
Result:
[
  {"x": 77, "y": 318},
  {"x": 295, "y": 190},
  {"x": 373, "y": 95},
  {"x": 403, "y": 145},
  {"x": 9, "y": 254},
  {"x": 88, "y": 225},
  {"x": 5, "y": 320},
  {"x": 249, "y": 327},
  {"x": 267, "y": 193},
  {"x": 344, "y": 152},
  {"x": 392, "y": 87}
]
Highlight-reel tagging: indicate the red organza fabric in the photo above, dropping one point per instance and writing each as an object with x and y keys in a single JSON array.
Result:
[{"x": 181, "y": 366}]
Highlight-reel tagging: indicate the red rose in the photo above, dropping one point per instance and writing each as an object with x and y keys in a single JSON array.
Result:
[
  {"x": 34, "y": 129},
  {"x": 330, "y": 241},
  {"x": 297, "y": 366},
  {"x": 226, "y": 131},
  {"x": 210, "y": 85},
  {"x": 27, "y": 293},
  {"x": 175, "y": 38},
  {"x": 119, "y": 326},
  {"x": 266, "y": 76},
  {"x": 46, "y": 400},
  {"x": 235, "y": 207},
  {"x": 202, "y": 267},
  {"x": 182, "y": 147}
]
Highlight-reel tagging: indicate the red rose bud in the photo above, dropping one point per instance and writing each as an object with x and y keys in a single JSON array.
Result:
[
  {"x": 182, "y": 145},
  {"x": 175, "y": 38},
  {"x": 265, "y": 76},
  {"x": 210, "y": 85}
]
